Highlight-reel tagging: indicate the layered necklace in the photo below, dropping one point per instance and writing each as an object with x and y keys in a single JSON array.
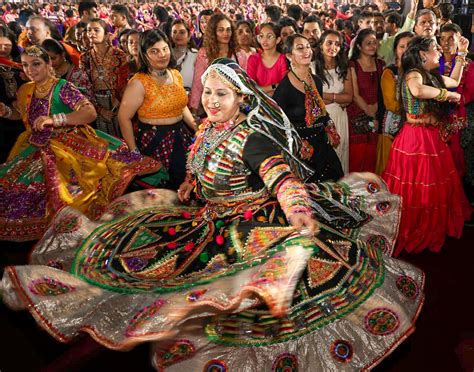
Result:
[
  {"x": 44, "y": 88},
  {"x": 209, "y": 137},
  {"x": 314, "y": 104},
  {"x": 99, "y": 63}
]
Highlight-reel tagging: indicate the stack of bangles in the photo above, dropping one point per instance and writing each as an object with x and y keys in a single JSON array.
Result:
[
  {"x": 461, "y": 57},
  {"x": 8, "y": 112},
  {"x": 59, "y": 120},
  {"x": 442, "y": 96}
]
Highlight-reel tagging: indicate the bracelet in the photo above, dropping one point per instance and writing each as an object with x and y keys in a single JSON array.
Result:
[
  {"x": 8, "y": 112},
  {"x": 136, "y": 151},
  {"x": 442, "y": 95},
  {"x": 461, "y": 60},
  {"x": 59, "y": 120}
]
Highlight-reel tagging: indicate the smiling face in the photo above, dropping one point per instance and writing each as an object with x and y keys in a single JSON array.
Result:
[
  {"x": 35, "y": 68},
  {"x": 331, "y": 45},
  {"x": 302, "y": 52},
  {"x": 217, "y": 93},
  {"x": 431, "y": 56}
]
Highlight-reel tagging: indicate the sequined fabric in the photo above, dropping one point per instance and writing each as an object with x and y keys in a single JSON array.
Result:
[
  {"x": 50, "y": 169},
  {"x": 229, "y": 283},
  {"x": 162, "y": 101}
]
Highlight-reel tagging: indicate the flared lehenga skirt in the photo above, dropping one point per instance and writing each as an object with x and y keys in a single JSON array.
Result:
[
  {"x": 215, "y": 288},
  {"x": 421, "y": 170}
]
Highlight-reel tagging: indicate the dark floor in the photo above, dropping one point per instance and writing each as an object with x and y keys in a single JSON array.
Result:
[{"x": 443, "y": 340}]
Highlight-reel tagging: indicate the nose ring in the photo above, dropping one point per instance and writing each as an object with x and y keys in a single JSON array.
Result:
[{"x": 217, "y": 105}]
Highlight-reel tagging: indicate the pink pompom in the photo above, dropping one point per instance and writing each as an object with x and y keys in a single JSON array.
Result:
[
  {"x": 248, "y": 214},
  {"x": 219, "y": 239}
]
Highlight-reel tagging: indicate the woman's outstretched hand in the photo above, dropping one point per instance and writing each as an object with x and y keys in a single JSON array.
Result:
[
  {"x": 307, "y": 225},
  {"x": 184, "y": 191}
]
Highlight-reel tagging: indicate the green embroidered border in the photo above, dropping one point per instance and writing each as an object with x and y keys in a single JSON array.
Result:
[{"x": 318, "y": 323}]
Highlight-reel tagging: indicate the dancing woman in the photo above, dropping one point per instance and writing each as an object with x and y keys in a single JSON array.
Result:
[
  {"x": 59, "y": 160},
  {"x": 261, "y": 273},
  {"x": 420, "y": 166}
]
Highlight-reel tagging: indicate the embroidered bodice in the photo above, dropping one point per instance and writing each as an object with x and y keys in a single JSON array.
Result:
[
  {"x": 219, "y": 164},
  {"x": 412, "y": 104},
  {"x": 162, "y": 101},
  {"x": 240, "y": 166}
]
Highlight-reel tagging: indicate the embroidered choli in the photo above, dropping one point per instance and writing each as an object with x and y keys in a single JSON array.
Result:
[
  {"x": 241, "y": 166},
  {"x": 162, "y": 101}
]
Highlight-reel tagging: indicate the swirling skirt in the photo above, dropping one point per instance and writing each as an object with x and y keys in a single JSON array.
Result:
[
  {"x": 221, "y": 287},
  {"x": 421, "y": 170}
]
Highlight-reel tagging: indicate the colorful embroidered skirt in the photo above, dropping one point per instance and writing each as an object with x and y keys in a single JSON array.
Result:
[
  {"x": 421, "y": 170},
  {"x": 78, "y": 167},
  {"x": 221, "y": 287}
]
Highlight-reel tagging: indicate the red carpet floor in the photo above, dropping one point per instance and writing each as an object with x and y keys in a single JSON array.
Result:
[{"x": 443, "y": 339}]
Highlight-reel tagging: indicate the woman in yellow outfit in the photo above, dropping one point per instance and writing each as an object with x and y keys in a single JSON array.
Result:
[
  {"x": 58, "y": 160},
  {"x": 389, "y": 86}
]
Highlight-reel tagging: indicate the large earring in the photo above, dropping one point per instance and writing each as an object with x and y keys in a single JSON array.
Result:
[{"x": 244, "y": 106}]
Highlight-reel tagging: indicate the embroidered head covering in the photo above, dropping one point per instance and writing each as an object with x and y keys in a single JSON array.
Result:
[{"x": 263, "y": 113}]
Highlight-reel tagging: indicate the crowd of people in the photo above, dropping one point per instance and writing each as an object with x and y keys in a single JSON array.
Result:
[{"x": 284, "y": 156}]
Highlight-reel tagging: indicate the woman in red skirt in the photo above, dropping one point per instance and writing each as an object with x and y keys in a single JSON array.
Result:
[{"x": 420, "y": 166}]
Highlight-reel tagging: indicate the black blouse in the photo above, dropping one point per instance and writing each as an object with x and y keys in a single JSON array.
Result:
[{"x": 291, "y": 100}]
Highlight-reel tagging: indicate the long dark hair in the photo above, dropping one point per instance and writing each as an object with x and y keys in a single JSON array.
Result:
[
  {"x": 358, "y": 42},
  {"x": 54, "y": 46},
  {"x": 342, "y": 64},
  {"x": 15, "y": 52},
  {"x": 147, "y": 40},
  {"x": 210, "y": 44},
  {"x": 411, "y": 60}
]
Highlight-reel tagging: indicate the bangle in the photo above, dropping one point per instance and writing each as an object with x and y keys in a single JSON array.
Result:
[
  {"x": 59, "y": 120},
  {"x": 442, "y": 95},
  {"x": 8, "y": 112},
  {"x": 461, "y": 60}
]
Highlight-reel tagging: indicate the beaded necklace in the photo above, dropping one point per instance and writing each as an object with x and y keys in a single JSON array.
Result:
[
  {"x": 314, "y": 105},
  {"x": 208, "y": 138}
]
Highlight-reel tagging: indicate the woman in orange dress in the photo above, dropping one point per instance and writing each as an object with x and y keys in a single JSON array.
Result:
[{"x": 157, "y": 96}]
